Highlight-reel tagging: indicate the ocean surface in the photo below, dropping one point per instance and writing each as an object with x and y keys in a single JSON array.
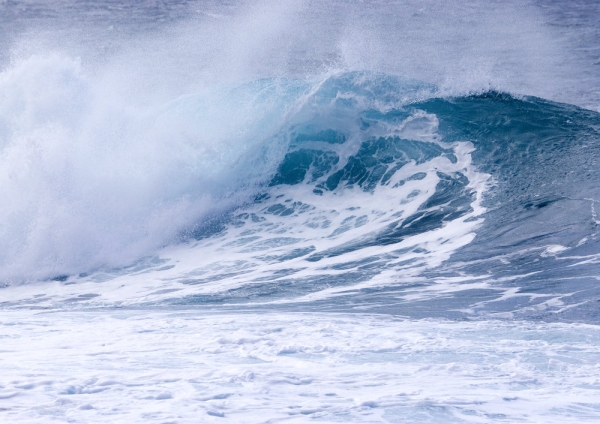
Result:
[{"x": 300, "y": 211}]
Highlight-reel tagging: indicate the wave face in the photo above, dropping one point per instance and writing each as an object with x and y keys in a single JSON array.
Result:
[{"x": 345, "y": 191}]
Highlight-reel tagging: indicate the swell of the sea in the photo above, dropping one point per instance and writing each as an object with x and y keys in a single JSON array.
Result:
[
  {"x": 293, "y": 211},
  {"x": 341, "y": 191}
]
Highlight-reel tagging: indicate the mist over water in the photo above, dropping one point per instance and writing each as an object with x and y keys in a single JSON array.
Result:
[{"x": 519, "y": 47}]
